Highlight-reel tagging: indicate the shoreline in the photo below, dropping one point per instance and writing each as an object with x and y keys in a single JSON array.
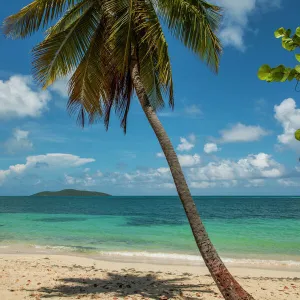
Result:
[
  {"x": 265, "y": 262},
  {"x": 154, "y": 263},
  {"x": 37, "y": 276}
]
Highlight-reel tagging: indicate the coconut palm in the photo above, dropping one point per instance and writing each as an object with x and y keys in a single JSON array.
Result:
[{"x": 113, "y": 49}]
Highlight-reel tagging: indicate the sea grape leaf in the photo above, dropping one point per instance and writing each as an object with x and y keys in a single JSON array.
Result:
[
  {"x": 297, "y": 135},
  {"x": 264, "y": 72}
]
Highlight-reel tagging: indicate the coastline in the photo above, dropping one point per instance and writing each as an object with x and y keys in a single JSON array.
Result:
[
  {"x": 236, "y": 260},
  {"x": 58, "y": 276}
]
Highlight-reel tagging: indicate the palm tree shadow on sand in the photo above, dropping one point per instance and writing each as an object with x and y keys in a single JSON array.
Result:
[{"x": 127, "y": 285}]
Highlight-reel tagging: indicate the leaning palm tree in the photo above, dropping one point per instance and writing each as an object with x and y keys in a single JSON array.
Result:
[{"x": 113, "y": 49}]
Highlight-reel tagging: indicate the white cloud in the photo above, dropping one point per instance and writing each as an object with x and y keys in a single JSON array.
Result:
[
  {"x": 160, "y": 154},
  {"x": 167, "y": 185},
  {"x": 86, "y": 181},
  {"x": 288, "y": 182},
  {"x": 189, "y": 160},
  {"x": 60, "y": 87},
  {"x": 289, "y": 117},
  {"x": 186, "y": 144},
  {"x": 203, "y": 184},
  {"x": 252, "y": 167},
  {"x": 210, "y": 148},
  {"x": 18, "y": 142},
  {"x": 163, "y": 170},
  {"x": 242, "y": 133},
  {"x": 193, "y": 110},
  {"x": 99, "y": 174},
  {"x": 18, "y": 98},
  {"x": 48, "y": 161},
  {"x": 236, "y": 19},
  {"x": 211, "y": 184},
  {"x": 192, "y": 138},
  {"x": 255, "y": 183},
  {"x": 233, "y": 36}
]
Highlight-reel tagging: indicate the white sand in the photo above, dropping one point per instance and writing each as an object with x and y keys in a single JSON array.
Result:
[{"x": 41, "y": 276}]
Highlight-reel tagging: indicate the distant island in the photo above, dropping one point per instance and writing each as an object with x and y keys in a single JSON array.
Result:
[{"x": 70, "y": 192}]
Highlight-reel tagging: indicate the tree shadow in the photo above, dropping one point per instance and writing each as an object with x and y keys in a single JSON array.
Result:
[{"x": 123, "y": 285}]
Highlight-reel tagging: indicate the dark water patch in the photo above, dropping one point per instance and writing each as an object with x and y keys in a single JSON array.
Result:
[
  {"x": 149, "y": 221},
  {"x": 1, "y": 225},
  {"x": 60, "y": 219},
  {"x": 157, "y": 207}
]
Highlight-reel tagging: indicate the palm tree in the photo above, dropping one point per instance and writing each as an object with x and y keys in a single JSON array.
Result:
[{"x": 114, "y": 48}]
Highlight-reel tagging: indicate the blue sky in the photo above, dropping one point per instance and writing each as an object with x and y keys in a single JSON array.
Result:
[{"x": 233, "y": 133}]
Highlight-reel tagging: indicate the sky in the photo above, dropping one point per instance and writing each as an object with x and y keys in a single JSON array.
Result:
[{"x": 233, "y": 133}]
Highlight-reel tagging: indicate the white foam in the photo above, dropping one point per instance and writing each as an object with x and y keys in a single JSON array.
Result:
[
  {"x": 196, "y": 258},
  {"x": 61, "y": 248},
  {"x": 174, "y": 256}
]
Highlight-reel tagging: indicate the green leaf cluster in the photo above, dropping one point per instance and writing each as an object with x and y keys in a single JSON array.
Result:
[
  {"x": 279, "y": 73},
  {"x": 297, "y": 134},
  {"x": 99, "y": 42},
  {"x": 282, "y": 73},
  {"x": 289, "y": 42}
]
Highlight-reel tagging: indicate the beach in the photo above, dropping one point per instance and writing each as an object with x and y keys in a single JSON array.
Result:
[{"x": 42, "y": 276}]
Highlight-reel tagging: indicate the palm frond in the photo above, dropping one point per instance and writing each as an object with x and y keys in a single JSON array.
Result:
[
  {"x": 87, "y": 85},
  {"x": 38, "y": 14},
  {"x": 71, "y": 16},
  {"x": 121, "y": 41},
  {"x": 59, "y": 54},
  {"x": 156, "y": 72},
  {"x": 194, "y": 22}
]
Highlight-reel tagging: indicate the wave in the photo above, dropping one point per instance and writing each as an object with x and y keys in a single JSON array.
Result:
[
  {"x": 196, "y": 258},
  {"x": 171, "y": 257}
]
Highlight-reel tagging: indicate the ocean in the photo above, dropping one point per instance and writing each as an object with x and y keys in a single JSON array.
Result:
[{"x": 250, "y": 230}]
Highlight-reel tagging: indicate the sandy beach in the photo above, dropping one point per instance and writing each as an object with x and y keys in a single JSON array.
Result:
[{"x": 42, "y": 276}]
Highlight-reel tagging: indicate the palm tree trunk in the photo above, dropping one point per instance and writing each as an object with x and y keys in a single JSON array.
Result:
[{"x": 228, "y": 286}]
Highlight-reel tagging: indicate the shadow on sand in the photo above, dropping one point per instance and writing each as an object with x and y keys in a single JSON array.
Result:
[{"x": 126, "y": 285}]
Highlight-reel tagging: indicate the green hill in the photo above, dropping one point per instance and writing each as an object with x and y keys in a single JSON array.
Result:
[{"x": 70, "y": 193}]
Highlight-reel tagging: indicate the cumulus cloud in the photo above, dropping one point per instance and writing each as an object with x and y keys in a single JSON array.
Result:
[
  {"x": 189, "y": 160},
  {"x": 150, "y": 178},
  {"x": 186, "y": 144},
  {"x": 288, "y": 116},
  {"x": 233, "y": 36},
  {"x": 288, "y": 182},
  {"x": 236, "y": 19},
  {"x": 203, "y": 184},
  {"x": 60, "y": 87},
  {"x": 19, "y": 98},
  {"x": 257, "y": 166},
  {"x": 160, "y": 154},
  {"x": 242, "y": 133},
  {"x": 18, "y": 142},
  {"x": 255, "y": 183},
  {"x": 49, "y": 161},
  {"x": 210, "y": 148},
  {"x": 212, "y": 184},
  {"x": 86, "y": 181}
]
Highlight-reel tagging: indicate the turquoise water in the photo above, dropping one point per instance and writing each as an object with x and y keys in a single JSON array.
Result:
[{"x": 240, "y": 227}]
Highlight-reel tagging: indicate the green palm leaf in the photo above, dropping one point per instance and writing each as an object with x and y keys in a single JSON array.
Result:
[
  {"x": 194, "y": 22},
  {"x": 38, "y": 14},
  {"x": 87, "y": 85},
  {"x": 59, "y": 54}
]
